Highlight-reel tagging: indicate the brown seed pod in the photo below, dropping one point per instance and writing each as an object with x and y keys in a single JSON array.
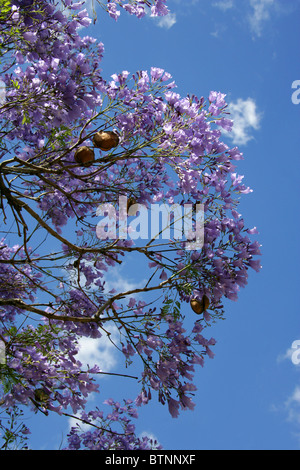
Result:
[
  {"x": 199, "y": 306},
  {"x": 105, "y": 140},
  {"x": 84, "y": 155}
]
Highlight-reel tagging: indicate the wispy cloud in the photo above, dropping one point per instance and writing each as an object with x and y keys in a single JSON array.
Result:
[
  {"x": 291, "y": 409},
  {"x": 246, "y": 118},
  {"x": 292, "y": 354},
  {"x": 284, "y": 356},
  {"x": 256, "y": 13},
  {"x": 100, "y": 351},
  {"x": 261, "y": 10},
  {"x": 292, "y": 406},
  {"x": 224, "y": 4},
  {"x": 167, "y": 21},
  {"x": 219, "y": 30}
]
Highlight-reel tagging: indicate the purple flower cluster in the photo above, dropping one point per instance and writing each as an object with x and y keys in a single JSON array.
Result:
[
  {"x": 18, "y": 281},
  {"x": 105, "y": 435},
  {"x": 170, "y": 151},
  {"x": 53, "y": 74},
  {"x": 171, "y": 358},
  {"x": 136, "y": 7}
]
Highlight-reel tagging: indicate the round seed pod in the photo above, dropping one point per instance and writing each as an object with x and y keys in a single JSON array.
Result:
[
  {"x": 199, "y": 306},
  {"x": 105, "y": 140},
  {"x": 84, "y": 155}
]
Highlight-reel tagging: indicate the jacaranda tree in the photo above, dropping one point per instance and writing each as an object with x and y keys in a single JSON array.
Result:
[{"x": 72, "y": 147}]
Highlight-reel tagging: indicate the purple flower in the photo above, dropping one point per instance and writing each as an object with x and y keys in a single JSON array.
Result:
[
  {"x": 156, "y": 73},
  {"x": 173, "y": 406},
  {"x": 160, "y": 9},
  {"x": 112, "y": 10},
  {"x": 186, "y": 402},
  {"x": 255, "y": 264},
  {"x": 217, "y": 98},
  {"x": 30, "y": 37},
  {"x": 84, "y": 19},
  {"x": 163, "y": 276},
  {"x": 225, "y": 123}
]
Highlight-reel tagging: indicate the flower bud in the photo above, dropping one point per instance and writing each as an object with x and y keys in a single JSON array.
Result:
[
  {"x": 199, "y": 306},
  {"x": 84, "y": 155},
  {"x": 105, "y": 140}
]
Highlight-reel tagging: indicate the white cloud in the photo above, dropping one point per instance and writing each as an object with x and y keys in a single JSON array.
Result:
[
  {"x": 224, "y": 4},
  {"x": 292, "y": 406},
  {"x": 260, "y": 14},
  {"x": 292, "y": 354},
  {"x": 100, "y": 351},
  {"x": 219, "y": 31},
  {"x": 246, "y": 118},
  {"x": 291, "y": 409},
  {"x": 166, "y": 21},
  {"x": 286, "y": 355}
]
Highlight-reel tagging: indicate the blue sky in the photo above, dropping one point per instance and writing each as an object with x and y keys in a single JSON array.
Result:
[{"x": 249, "y": 395}]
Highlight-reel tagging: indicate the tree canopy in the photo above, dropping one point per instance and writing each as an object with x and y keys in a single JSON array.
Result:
[{"x": 57, "y": 176}]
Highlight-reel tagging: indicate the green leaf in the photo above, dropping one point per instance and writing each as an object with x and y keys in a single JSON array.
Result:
[{"x": 15, "y": 84}]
